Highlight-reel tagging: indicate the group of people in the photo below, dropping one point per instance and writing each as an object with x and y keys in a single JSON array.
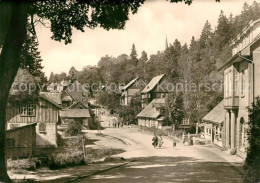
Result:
[
  {"x": 114, "y": 124},
  {"x": 158, "y": 141}
]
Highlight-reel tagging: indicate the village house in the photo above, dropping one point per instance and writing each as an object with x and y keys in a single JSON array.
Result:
[
  {"x": 158, "y": 87},
  {"x": 77, "y": 112},
  {"x": 58, "y": 87},
  {"x": 131, "y": 89},
  {"x": 82, "y": 116},
  {"x": 44, "y": 112},
  {"x": 151, "y": 116},
  {"x": 74, "y": 102},
  {"x": 213, "y": 124},
  {"x": 241, "y": 86},
  {"x": 185, "y": 124}
]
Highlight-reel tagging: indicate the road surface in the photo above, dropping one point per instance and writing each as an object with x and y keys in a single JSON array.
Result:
[{"x": 183, "y": 164}]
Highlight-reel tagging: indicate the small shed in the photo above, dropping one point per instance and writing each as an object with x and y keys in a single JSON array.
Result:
[
  {"x": 83, "y": 116},
  {"x": 21, "y": 141}
]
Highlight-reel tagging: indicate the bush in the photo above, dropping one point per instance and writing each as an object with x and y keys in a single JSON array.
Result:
[
  {"x": 177, "y": 133},
  {"x": 66, "y": 159},
  {"x": 74, "y": 128},
  {"x": 102, "y": 153},
  {"x": 192, "y": 130},
  {"x": 252, "y": 164},
  {"x": 23, "y": 164},
  {"x": 154, "y": 130}
]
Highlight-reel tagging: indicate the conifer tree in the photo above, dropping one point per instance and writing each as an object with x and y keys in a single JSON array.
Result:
[
  {"x": 133, "y": 55},
  {"x": 30, "y": 56}
]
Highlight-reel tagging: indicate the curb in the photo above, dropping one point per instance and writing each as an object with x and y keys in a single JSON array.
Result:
[{"x": 95, "y": 172}]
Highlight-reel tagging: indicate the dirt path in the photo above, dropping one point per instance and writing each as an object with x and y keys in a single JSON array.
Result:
[{"x": 183, "y": 164}]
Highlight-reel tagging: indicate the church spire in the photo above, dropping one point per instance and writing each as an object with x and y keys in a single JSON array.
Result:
[{"x": 166, "y": 43}]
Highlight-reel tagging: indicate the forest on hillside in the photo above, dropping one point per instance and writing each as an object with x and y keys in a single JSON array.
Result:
[{"x": 195, "y": 63}]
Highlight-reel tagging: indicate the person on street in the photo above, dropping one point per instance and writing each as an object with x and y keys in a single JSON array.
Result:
[
  {"x": 160, "y": 142},
  {"x": 174, "y": 143},
  {"x": 155, "y": 141}
]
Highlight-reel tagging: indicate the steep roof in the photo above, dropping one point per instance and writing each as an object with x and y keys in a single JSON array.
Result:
[
  {"x": 152, "y": 83},
  {"x": 75, "y": 90},
  {"x": 150, "y": 110},
  {"x": 23, "y": 76},
  {"x": 54, "y": 96},
  {"x": 64, "y": 82},
  {"x": 216, "y": 115},
  {"x": 75, "y": 103},
  {"x": 22, "y": 127},
  {"x": 75, "y": 113},
  {"x": 130, "y": 84},
  {"x": 53, "y": 99}
]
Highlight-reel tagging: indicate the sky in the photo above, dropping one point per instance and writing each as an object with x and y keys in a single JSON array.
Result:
[{"x": 147, "y": 29}]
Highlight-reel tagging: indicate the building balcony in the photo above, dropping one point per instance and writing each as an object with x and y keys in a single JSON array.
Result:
[{"x": 231, "y": 102}]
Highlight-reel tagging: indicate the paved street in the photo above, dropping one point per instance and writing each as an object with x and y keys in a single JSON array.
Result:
[{"x": 184, "y": 164}]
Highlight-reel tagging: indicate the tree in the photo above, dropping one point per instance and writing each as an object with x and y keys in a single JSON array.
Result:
[
  {"x": 72, "y": 72},
  {"x": 206, "y": 34},
  {"x": 143, "y": 57},
  {"x": 91, "y": 77},
  {"x": 51, "y": 78},
  {"x": 252, "y": 164},
  {"x": 74, "y": 128},
  {"x": 174, "y": 109},
  {"x": 30, "y": 56},
  {"x": 63, "y": 17},
  {"x": 133, "y": 55},
  {"x": 129, "y": 113}
]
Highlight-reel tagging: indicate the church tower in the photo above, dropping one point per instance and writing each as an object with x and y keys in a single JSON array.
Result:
[{"x": 166, "y": 43}]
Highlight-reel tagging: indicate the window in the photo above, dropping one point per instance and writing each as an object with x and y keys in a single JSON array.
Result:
[
  {"x": 243, "y": 83},
  {"x": 236, "y": 83},
  {"x": 186, "y": 121},
  {"x": 229, "y": 84},
  {"x": 218, "y": 132},
  {"x": 42, "y": 127},
  {"x": 28, "y": 110},
  {"x": 23, "y": 111},
  {"x": 242, "y": 133}
]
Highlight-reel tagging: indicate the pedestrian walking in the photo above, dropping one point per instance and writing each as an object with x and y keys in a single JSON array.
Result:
[
  {"x": 174, "y": 143},
  {"x": 118, "y": 124},
  {"x": 155, "y": 141},
  {"x": 160, "y": 142},
  {"x": 109, "y": 124}
]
